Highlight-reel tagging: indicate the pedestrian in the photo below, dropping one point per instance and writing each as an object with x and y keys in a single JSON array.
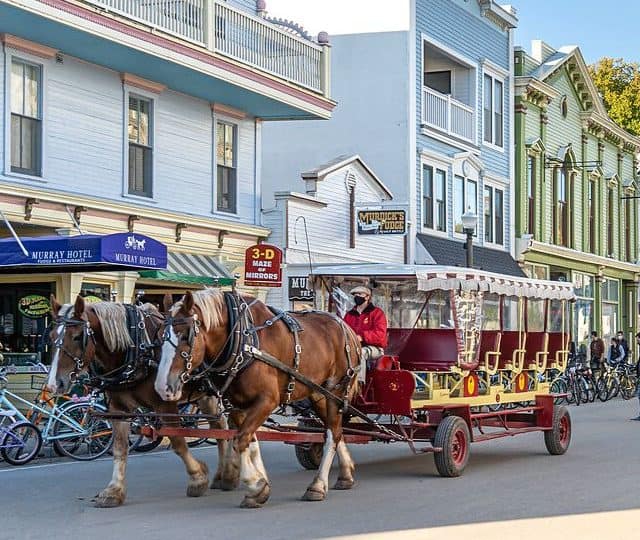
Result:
[
  {"x": 596, "y": 350},
  {"x": 370, "y": 325},
  {"x": 624, "y": 344},
  {"x": 616, "y": 352}
]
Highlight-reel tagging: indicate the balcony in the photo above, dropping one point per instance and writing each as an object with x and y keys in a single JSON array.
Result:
[
  {"x": 232, "y": 33},
  {"x": 447, "y": 114}
]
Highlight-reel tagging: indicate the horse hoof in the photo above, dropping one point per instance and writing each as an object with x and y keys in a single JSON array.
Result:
[
  {"x": 313, "y": 495},
  {"x": 216, "y": 483},
  {"x": 197, "y": 489},
  {"x": 344, "y": 483},
  {"x": 229, "y": 484},
  {"x": 250, "y": 502},
  {"x": 109, "y": 498}
]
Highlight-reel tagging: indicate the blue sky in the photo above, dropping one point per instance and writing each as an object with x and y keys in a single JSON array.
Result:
[{"x": 600, "y": 28}]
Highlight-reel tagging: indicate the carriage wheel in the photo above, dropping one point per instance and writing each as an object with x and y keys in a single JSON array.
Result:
[
  {"x": 558, "y": 438},
  {"x": 309, "y": 455},
  {"x": 453, "y": 437}
]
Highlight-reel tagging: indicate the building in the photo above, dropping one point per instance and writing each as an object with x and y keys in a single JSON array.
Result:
[
  {"x": 430, "y": 110},
  {"x": 335, "y": 218},
  {"x": 576, "y": 218},
  {"x": 144, "y": 117}
]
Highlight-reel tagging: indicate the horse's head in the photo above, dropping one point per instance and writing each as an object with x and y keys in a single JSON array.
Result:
[
  {"x": 188, "y": 338},
  {"x": 72, "y": 337}
]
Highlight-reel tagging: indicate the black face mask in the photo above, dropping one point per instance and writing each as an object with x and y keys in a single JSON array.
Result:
[{"x": 359, "y": 300}]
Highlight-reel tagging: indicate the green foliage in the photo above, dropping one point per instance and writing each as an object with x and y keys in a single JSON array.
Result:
[{"x": 619, "y": 84}]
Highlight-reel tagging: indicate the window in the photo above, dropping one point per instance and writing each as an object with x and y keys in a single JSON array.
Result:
[
  {"x": 531, "y": 194},
  {"x": 627, "y": 230},
  {"x": 226, "y": 180},
  {"x": 493, "y": 111},
  {"x": 434, "y": 198},
  {"x": 560, "y": 211},
  {"x": 440, "y": 81},
  {"x": 591, "y": 202},
  {"x": 26, "y": 119},
  {"x": 493, "y": 215},
  {"x": 610, "y": 301},
  {"x": 610, "y": 224},
  {"x": 583, "y": 311},
  {"x": 140, "y": 147},
  {"x": 465, "y": 199}
]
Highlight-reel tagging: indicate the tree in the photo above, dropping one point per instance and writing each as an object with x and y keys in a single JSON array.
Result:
[{"x": 619, "y": 84}]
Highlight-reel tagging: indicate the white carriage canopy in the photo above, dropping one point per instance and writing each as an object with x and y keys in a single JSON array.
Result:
[{"x": 430, "y": 278}]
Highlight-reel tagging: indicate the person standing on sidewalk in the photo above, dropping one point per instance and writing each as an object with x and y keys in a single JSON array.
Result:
[
  {"x": 638, "y": 374},
  {"x": 596, "y": 350}
]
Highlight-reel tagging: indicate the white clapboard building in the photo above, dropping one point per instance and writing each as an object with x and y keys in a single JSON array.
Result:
[{"x": 342, "y": 213}]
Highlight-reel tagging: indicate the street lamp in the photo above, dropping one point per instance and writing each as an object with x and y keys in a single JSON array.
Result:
[{"x": 469, "y": 224}]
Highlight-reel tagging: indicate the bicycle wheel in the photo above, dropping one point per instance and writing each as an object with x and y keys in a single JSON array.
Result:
[
  {"x": 602, "y": 389},
  {"x": 559, "y": 386},
  {"x": 627, "y": 388},
  {"x": 21, "y": 443},
  {"x": 89, "y": 440},
  {"x": 192, "y": 422}
]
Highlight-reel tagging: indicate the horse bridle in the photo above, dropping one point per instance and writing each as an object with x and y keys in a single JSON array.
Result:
[
  {"x": 87, "y": 333},
  {"x": 194, "y": 331}
]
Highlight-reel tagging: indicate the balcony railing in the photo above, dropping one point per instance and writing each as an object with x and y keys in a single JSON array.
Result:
[
  {"x": 233, "y": 33},
  {"x": 447, "y": 114}
]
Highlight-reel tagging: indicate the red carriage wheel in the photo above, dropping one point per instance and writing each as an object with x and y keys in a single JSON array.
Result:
[
  {"x": 453, "y": 437},
  {"x": 558, "y": 438}
]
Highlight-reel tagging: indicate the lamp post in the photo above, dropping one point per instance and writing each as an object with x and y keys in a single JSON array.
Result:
[{"x": 469, "y": 224}]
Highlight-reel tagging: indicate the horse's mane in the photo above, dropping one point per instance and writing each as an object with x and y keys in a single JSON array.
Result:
[
  {"x": 113, "y": 320},
  {"x": 211, "y": 304}
]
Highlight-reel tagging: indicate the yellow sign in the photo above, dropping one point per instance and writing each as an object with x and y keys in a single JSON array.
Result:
[{"x": 34, "y": 306}]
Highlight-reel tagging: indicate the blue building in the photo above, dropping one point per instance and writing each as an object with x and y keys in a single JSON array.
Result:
[
  {"x": 430, "y": 109},
  {"x": 143, "y": 116}
]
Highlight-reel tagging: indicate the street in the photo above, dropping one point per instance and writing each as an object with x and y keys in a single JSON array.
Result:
[{"x": 507, "y": 479}]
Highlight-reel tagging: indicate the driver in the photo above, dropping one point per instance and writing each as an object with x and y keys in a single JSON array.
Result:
[{"x": 370, "y": 325}]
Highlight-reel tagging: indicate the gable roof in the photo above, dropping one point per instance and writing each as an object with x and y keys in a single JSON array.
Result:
[{"x": 320, "y": 172}]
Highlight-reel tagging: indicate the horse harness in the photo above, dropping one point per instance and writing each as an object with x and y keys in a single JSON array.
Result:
[
  {"x": 67, "y": 321},
  {"x": 242, "y": 347},
  {"x": 140, "y": 356}
]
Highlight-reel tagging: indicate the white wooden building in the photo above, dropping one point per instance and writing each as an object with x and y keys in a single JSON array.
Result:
[{"x": 318, "y": 225}]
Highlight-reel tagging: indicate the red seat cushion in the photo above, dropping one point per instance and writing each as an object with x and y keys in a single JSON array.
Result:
[
  {"x": 535, "y": 344},
  {"x": 424, "y": 349},
  {"x": 509, "y": 343}
]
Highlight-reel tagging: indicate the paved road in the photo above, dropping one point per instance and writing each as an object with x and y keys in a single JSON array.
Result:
[{"x": 505, "y": 480}]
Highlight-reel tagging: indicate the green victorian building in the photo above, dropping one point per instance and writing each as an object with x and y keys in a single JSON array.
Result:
[{"x": 575, "y": 215}]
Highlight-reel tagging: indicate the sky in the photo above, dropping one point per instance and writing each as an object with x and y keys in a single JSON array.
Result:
[{"x": 599, "y": 32}]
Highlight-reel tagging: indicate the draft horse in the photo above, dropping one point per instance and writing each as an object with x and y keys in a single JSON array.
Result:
[
  {"x": 223, "y": 337},
  {"x": 114, "y": 344}
]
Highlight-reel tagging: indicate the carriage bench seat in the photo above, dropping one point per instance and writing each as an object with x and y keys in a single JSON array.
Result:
[
  {"x": 536, "y": 349},
  {"x": 558, "y": 350},
  {"x": 510, "y": 351},
  {"x": 423, "y": 349}
]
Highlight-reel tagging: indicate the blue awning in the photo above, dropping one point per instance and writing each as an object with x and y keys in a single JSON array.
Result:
[{"x": 87, "y": 252}]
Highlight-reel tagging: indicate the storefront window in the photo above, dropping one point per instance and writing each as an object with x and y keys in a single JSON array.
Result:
[
  {"x": 96, "y": 292},
  {"x": 25, "y": 313},
  {"x": 610, "y": 301},
  {"x": 536, "y": 271},
  {"x": 559, "y": 317},
  {"x": 583, "y": 311}
]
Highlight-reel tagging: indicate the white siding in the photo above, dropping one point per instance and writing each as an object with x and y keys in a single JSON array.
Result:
[
  {"x": 370, "y": 83},
  {"x": 85, "y": 139}
]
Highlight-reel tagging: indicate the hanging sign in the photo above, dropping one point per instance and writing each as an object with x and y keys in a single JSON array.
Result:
[
  {"x": 299, "y": 288},
  {"x": 34, "y": 306},
  {"x": 382, "y": 222},
  {"x": 263, "y": 266}
]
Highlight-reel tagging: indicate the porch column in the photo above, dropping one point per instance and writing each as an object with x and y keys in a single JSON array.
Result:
[
  {"x": 126, "y": 285},
  {"x": 69, "y": 286},
  {"x": 597, "y": 304}
]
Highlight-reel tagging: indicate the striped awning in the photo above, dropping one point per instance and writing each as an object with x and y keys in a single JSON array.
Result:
[{"x": 193, "y": 269}]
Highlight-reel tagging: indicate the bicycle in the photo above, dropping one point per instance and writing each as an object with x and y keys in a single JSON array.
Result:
[
  {"x": 20, "y": 441},
  {"x": 70, "y": 426}
]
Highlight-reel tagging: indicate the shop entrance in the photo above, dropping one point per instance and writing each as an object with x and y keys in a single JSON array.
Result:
[{"x": 25, "y": 314}]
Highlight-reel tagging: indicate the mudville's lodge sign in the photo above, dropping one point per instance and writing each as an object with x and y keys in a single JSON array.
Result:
[
  {"x": 382, "y": 221},
  {"x": 299, "y": 288}
]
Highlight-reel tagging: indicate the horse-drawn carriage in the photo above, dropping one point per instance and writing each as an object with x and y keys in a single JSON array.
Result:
[{"x": 470, "y": 358}]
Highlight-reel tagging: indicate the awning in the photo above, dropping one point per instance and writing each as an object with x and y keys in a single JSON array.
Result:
[
  {"x": 452, "y": 253},
  {"x": 86, "y": 252},
  {"x": 191, "y": 269}
]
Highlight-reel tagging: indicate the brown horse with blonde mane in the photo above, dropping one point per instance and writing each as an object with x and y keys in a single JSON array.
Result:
[
  {"x": 220, "y": 336},
  {"x": 95, "y": 338}
]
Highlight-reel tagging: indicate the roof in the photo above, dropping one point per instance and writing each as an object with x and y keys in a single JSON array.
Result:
[
  {"x": 452, "y": 253},
  {"x": 321, "y": 171},
  {"x": 437, "y": 277}
]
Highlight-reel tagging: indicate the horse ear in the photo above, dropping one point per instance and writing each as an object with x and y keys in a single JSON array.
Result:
[
  {"x": 55, "y": 306},
  {"x": 188, "y": 303},
  {"x": 79, "y": 307},
  {"x": 167, "y": 302}
]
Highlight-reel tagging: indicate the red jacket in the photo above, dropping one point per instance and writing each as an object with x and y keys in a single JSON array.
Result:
[{"x": 370, "y": 325}]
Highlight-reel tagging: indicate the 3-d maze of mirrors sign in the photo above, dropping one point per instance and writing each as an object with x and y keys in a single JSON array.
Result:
[{"x": 382, "y": 221}]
